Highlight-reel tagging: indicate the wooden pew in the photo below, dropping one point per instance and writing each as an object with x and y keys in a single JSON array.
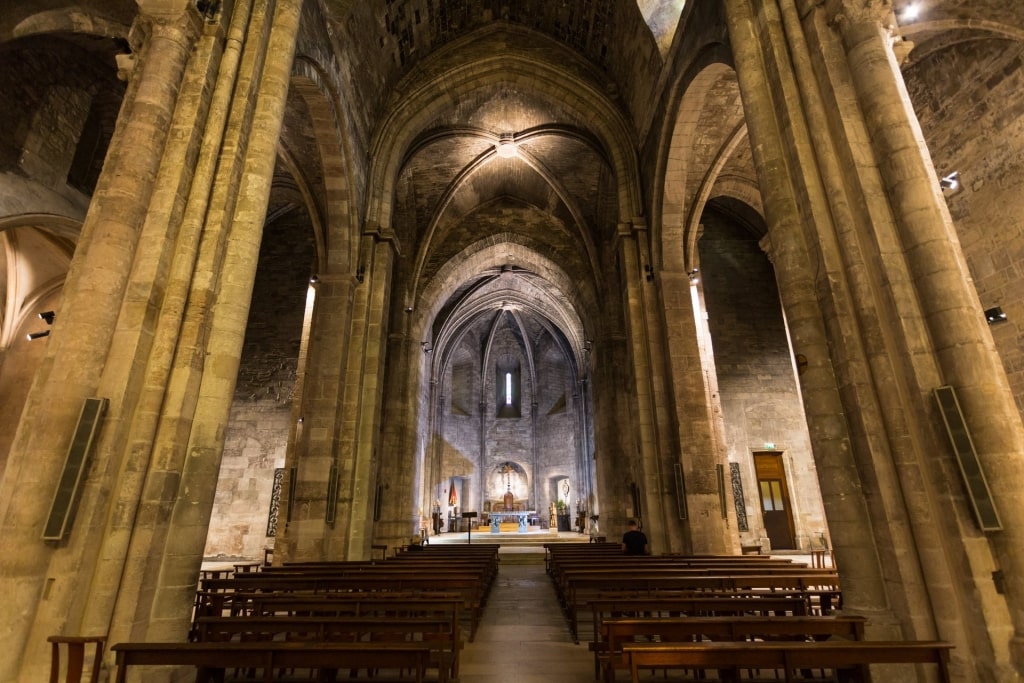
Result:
[
  {"x": 572, "y": 580},
  {"x": 617, "y": 632},
  {"x": 694, "y": 606},
  {"x": 467, "y": 584},
  {"x": 258, "y": 604},
  {"x": 212, "y": 660},
  {"x": 586, "y": 589},
  {"x": 850, "y": 659},
  {"x": 440, "y": 634}
]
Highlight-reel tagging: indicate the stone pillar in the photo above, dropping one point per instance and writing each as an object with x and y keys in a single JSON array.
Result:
[
  {"x": 311, "y": 452},
  {"x": 648, "y": 475},
  {"x": 702, "y": 448},
  {"x": 952, "y": 312},
  {"x": 364, "y": 390},
  {"x": 399, "y": 472},
  {"x": 870, "y": 315},
  {"x": 178, "y": 228},
  {"x": 48, "y": 582},
  {"x": 171, "y": 530},
  {"x": 796, "y": 259}
]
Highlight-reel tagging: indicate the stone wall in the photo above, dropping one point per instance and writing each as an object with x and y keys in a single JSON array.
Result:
[{"x": 970, "y": 101}]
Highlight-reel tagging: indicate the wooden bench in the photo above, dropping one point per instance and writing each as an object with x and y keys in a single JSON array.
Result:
[
  {"x": 259, "y": 604},
  {"x": 440, "y": 634},
  {"x": 212, "y": 660},
  {"x": 616, "y": 633},
  {"x": 687, "y": 607},
  {"x": 468, "y": 585},
  {"x": 582, "y": 591},
  {"x": 849, "y": 659}
]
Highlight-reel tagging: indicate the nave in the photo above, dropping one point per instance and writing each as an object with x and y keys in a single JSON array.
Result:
[{"x": 523, "y": 636}]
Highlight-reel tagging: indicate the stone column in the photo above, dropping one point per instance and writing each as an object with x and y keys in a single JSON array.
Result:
[
  {"x": 364, "y": 392},
  {"x": 702, "y": 447},
  {"x": 399, "y": 472},
  {"x": 177, "y": 228},
  {"x": 658, "y": 436},
  {"x": 310, "y": 454},
  {"x": 43, "y": 580},
  {"x": 772, "y": 114},
  {"x": 189, "y": 443},
  {"x": 953, "y": 314}
]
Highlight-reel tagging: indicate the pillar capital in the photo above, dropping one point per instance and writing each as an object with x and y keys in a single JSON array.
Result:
[
  {"x": 382, "y": 233},
  {"x": 843, "y": 14}
]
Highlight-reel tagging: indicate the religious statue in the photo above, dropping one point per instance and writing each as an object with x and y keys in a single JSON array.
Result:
[{"x": 553, "y": 517}]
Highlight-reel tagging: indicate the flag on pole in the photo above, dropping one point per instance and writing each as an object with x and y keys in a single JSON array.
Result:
[{"x": 453, "y": 497}]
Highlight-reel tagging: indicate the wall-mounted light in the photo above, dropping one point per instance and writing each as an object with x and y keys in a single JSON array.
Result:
[
  {"x": 694, "y": 279},
  {"x": 950, "y": 184},
  {"x": 649, "y": 272},
  {"x": 313, "y": 279},
  {"x": 995, "y": 315},
  {"x": 48, "y": 317},
  {"x": 587, "y": 345},
  {"x": 427, "y": 348},
  {"x": 360, "y": 274}
]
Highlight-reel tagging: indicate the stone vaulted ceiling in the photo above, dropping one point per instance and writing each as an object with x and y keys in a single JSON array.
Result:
[{"x": 509, "y": 172}]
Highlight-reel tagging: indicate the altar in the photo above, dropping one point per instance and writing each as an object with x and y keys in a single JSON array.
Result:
[{"x": 520, "y": 519}]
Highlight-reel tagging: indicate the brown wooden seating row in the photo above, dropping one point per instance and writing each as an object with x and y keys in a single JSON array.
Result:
[
  {"x": 212, "y": 660},
  {"x": 572, "y": 580},
  {"x": 327, "y": 605},
  {"x": 467, "y": 585},
  {"x": 484, "y": 568},
  {"x": 584, "y": 590},
  {"x": 441, "y": 634},
  {"x": 555, "y": 552},
  {"x": 616, "y": 633},
  {"x": 694, "y": 606},
  {"x": 562, "y": 570},
  {"x": 849, "y": 659}
]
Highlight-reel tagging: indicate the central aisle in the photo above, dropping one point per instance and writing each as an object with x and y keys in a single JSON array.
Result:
[{"x": 523, "y": 637}]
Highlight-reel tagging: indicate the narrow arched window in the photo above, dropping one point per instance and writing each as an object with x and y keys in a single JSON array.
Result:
[{"x": 508, "y": 388}]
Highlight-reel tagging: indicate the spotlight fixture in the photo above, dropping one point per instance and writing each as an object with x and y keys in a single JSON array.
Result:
[
  {"x": 313, "y": 279},
  {"x": 38, "y": 335},
  {"x": 427, "y": 348},
  {"x": 649, "y": 272},
  {"x": 587, "y": 345},
  {"x": 694, "y": 279},
  {"x": 48, "y": 316},
  {"x": 950, "y": 184},
  {"x": 995, "y": 315}
]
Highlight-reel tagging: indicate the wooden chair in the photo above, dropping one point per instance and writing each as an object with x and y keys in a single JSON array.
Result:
[{"x": 75, "y": 657}]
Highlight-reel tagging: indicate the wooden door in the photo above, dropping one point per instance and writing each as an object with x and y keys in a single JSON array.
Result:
[{"x": 774, "y": 494}]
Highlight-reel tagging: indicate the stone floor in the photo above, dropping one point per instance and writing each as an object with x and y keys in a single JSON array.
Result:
[{"x": 523, "y": 637}]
